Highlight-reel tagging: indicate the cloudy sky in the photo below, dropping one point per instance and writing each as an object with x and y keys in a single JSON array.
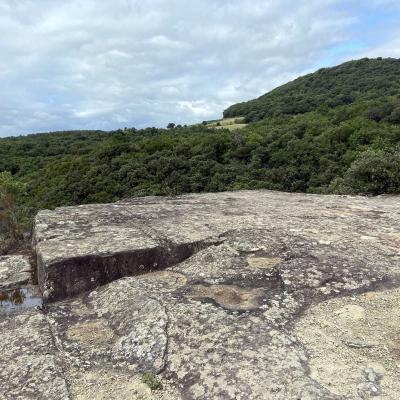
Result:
[{"x": 101, "y": 64}]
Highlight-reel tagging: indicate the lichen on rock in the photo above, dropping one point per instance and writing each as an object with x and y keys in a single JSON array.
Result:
[{"x": 243, "y": 295}]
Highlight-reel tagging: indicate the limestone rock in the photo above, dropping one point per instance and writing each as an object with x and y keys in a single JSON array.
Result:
[
  {"x": 30, "y": 366},
  {"x": 243, "y": 295},
  {"x": 15, "y": 271}
]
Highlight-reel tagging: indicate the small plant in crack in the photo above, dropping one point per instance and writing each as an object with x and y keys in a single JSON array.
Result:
[{"x": 152, "y": 381}]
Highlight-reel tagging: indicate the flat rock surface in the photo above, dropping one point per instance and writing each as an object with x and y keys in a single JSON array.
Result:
[
  {"x": 15, "y": 271},
  {"x": 30, "y": 366},
  {"x": 242, "y": 295}
]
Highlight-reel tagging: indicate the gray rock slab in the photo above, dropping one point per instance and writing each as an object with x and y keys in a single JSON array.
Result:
[
  {"x": 30, "y": 367},
  {"x": 15, "y": 271},
  {"x": 80, "y": 248},
  {"x": 353, "y": 344},
  {"x": 243, "y": 295}
]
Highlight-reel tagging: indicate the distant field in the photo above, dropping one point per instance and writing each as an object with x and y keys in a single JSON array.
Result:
[{"x": 227, "y": 123}]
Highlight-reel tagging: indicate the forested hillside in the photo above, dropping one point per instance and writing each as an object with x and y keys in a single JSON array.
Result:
[
  {"x": 333, "y": 148},
  {"x": 365, "y": 79}
]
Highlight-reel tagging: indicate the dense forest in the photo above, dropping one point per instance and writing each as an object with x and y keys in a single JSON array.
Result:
[
  {"x": 335, "y": 131},
  {"x": 365, "y": 79}
]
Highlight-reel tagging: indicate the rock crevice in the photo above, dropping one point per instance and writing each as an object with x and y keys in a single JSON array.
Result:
[{"x": 247, "y": 296}]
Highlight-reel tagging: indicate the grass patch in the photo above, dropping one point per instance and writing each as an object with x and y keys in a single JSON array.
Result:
[
  {"x": 152, "y": 381},
  {"x": 227, "y": 123}
]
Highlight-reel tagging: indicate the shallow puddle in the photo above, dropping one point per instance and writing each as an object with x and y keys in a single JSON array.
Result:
[{"x": 19, "y": 299}]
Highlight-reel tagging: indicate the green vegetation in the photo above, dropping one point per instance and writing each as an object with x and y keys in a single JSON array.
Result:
[
  {"x": 151, "y": 380},
  {"x": 328, "y": 147},
  {"x": 365, "y": 79},
  {"x": 10, "y": 210}
]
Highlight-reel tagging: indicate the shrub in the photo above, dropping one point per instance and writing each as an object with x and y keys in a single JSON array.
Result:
[
  {"x": 373, "y": 172},
  {"x": 10, "y": 228},
  {"x": 151, "y": 380},
  {"x": 394, "y": 117}
]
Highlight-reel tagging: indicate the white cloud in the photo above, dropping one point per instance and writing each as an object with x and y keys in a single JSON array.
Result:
[
  {"x": 389, "y": 49},
  {"x": 99, "y": 64}
]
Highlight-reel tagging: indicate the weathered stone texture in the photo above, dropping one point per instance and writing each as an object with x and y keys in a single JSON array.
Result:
[
  {"x": 244, "y": 295},
  {"x": 30, "y": 367},
  {"x": 15, "y": 271}
]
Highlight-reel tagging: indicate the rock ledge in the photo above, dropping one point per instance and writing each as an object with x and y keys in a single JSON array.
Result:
[{"x": 243, "y": 295}]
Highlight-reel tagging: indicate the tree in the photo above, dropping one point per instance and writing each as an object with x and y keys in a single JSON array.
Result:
[
  {"x": 10, "y": 228},
  {"x": 373, "y": 172},
  {"x": 171, "y": 125}
]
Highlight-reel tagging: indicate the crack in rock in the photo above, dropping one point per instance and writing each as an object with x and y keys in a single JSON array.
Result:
[{"x": 74, "y": 275}]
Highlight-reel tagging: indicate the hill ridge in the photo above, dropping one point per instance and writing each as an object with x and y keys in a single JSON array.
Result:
[{"x": 362, "y": 79}]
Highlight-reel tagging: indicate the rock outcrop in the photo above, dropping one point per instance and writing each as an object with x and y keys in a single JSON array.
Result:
[
  {"x": 15, "y": 271},
  {"x": 243, "y": 295}
]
